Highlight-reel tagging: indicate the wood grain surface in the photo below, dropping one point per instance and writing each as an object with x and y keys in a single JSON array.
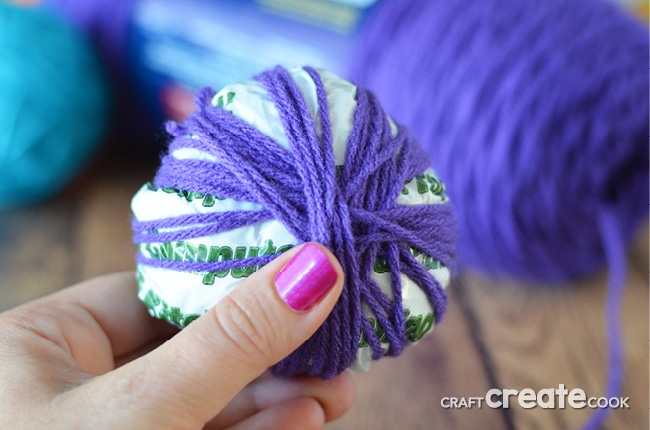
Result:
[{"x": 494, "y": 335}]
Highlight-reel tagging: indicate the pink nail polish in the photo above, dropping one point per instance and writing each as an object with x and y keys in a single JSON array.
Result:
[{"x": 306, "y": 278}]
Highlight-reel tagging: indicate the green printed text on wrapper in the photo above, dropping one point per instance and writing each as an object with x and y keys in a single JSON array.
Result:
[{"x": 201, "y": 253}]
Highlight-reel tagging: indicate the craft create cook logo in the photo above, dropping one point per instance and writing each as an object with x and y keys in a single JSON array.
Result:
[{"x": 527, "y": 398}]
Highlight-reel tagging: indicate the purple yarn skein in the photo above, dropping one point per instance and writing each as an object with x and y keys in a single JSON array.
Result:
[
  {"x": 537, "y": 113},
  {"x": 351, "y": 209}
]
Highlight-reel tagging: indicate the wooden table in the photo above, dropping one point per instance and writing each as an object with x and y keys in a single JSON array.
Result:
[{"x": 494, "y": 335}]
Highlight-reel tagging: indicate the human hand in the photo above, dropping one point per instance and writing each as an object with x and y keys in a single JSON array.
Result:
[{"x": 91, "y": 357}]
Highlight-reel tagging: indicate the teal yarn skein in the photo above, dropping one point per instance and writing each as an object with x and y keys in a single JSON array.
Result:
[{"x": 54, "y": 104}]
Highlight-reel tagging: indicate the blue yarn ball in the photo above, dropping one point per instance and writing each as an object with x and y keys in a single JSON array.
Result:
[{"x": 54, "y": 104}]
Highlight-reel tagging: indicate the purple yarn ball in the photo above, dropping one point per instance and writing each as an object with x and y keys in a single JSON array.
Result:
[
  {"x": 320, "y": 161},
  {"x": 535, "y": 113}
]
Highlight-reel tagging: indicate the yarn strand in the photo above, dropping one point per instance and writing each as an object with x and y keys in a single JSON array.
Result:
[{"x": 614, "y": 248}]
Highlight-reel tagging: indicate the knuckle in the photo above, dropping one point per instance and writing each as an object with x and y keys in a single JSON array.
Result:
[{"x": 249, "y": 327}]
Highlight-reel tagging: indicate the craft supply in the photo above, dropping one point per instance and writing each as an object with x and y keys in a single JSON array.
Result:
[
  {"x": 538, "y": 127},
  {"x": 537, "y": 113},
  {"x": 294, "y": 156},
  {"x": 54, "y": 104}
]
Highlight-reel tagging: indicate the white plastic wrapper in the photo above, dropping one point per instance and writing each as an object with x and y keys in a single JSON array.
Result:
[{"x": 182, "y": 296}]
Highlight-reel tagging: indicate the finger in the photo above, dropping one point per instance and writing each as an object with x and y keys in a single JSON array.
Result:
[
  {"x": 108, "y": 303},
  {"x": 196, "y": 373},
  {"x": 90, "y": 323},
  {"x": 112, "y": 301},
  {"x": 303, "y": 413},
  {"x": 335, "y": 397}
]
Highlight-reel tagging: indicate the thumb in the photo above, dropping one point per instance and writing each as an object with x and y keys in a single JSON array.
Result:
[{"x": 270, "y": 314}]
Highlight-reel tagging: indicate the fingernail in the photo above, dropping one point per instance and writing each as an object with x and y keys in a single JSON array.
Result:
[{"x": 306, "y": 278}]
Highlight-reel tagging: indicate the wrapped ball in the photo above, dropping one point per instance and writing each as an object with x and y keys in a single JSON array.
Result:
[{"x": 299, "y": 155}]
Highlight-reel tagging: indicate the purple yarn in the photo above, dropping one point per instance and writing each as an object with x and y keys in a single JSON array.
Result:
[
  {"x": 614, "y": 302},
  {"x": 352, "y": 210},
  {"x": 537, "y": 114}
]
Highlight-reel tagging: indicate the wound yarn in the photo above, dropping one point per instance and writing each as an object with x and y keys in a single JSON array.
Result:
[
  {"x": 291, "y": 172},
  {"x": 537, "y": 113}
]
